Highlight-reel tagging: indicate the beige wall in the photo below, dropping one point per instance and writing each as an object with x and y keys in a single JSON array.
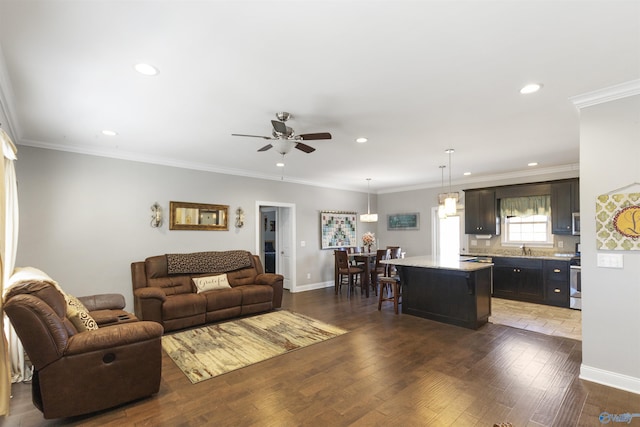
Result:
[
  {"x": 84, "y": 219},
  {"x": 609, "y": 159}
]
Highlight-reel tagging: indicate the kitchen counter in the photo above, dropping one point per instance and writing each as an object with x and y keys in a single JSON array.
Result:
[
  {"x": 555, "y": 257},
  {"x": 462, "y": 263},
  {"x": 448, "y": 290}
]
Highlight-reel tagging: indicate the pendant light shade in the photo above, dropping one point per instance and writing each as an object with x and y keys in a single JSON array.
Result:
[{"x": 369, "y": 217}]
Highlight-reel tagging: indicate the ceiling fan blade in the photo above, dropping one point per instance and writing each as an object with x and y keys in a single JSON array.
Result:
[
  {"x": 266, "y": 147},
  {"x": 279, "y": 126},
  {"x": 304, "y": 147},
  {"x": 315, "y": 136},
  {"x": 251, "y": 136}
]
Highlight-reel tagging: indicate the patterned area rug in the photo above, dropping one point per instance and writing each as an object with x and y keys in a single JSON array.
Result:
[{"x": 213, "y": 350}]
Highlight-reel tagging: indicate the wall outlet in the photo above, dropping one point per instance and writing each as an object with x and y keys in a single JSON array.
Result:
[
  {"x": 487, "y": 243},
  {"x": 560, "y": 244},
  {"x": 303, "y": 243},
  {"x": 474, "y": 243},
  {"x": 308, "y": 275}
]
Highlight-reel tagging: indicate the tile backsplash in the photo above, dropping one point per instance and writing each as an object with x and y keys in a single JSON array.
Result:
[{"x": 562, "y": 244}]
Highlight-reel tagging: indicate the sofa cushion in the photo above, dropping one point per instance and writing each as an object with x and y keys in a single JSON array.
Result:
[
  {"x": 246, "y": 276},
  {"x": 253, "y": 294},
  {"x": 173, "y": 285},
  {"x": 209, "y": 283},
  {"x": 223, "y": 298},
  {"x": 183, "y": 305},
  {"x": 78, "y": 314}
]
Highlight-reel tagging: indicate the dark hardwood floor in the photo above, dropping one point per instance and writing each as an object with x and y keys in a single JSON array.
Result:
[{"x": 388, "y": 370}]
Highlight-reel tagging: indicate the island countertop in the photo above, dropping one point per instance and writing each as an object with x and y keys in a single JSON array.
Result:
[{"x": 461, "y": 263}]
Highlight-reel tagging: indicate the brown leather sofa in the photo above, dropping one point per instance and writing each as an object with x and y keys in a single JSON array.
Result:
[
  {"x": 164, "y": 290},
  {"x": 77, "y": 373}
]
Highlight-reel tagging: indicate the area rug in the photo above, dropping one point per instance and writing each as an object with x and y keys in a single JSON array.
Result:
[{"x": 213, "y": 350}]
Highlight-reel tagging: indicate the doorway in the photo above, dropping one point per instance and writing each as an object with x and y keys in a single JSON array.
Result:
[
  {"x": 275, "y": 239},
  {"x": 448, "y": 236}
]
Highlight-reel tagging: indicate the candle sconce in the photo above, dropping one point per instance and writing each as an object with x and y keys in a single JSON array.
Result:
[
  {"x": 156, "y": 215},
  {"x": 239, "y": 218}
]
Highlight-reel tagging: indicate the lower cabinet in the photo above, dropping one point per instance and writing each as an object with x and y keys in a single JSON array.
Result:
[
  {"x": 556, "y": 282},
  {"x": 531, "y": 280},
  {"x": 518, "y": 278}
]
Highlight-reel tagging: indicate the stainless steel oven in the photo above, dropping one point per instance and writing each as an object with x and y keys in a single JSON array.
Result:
[{"x": 575, "y": 287}]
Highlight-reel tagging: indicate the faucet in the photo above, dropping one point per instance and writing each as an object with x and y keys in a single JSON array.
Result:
[{"x": 525, "y": 251}]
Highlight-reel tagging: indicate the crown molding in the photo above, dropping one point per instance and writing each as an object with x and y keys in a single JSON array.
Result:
[
  {"x": 573, "y": 169},
  {"x": 162, "y": 161},
  {"x": 607, "y": 94}
]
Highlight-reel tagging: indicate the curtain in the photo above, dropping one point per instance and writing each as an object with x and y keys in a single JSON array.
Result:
[
  {"x": 8, "y": 244},
  {"x": 525, "y": 206}
]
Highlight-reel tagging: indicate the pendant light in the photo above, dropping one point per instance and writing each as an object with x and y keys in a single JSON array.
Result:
[
  {"x": 368, "y": 217},
  {"x": 451, "y": 200},
  {"x": 442, "y": 196}
]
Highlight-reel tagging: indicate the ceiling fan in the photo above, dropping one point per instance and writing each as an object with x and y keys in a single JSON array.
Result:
[{"x": 285, "y": 138}]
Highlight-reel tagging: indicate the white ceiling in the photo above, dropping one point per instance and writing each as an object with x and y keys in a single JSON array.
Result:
[{"x": 414, "y": 77}]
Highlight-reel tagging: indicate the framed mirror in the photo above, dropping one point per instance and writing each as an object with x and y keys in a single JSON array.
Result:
[{"x": 197, "y": 216}]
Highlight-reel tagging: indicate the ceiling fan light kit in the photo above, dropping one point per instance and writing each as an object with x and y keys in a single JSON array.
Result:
[{"x": 285, "y": 137}]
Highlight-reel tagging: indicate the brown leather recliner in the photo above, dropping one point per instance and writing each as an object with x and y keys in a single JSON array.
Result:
[{"x": 75, "y": 372}]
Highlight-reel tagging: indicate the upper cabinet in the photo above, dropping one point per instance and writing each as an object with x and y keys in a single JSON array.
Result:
[
  {"x": 565, "y": 200},
  {"x": 481, "y": 212}
]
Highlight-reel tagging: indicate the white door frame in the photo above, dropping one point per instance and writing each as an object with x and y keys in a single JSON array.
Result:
[{"x": 292, "y": 234}]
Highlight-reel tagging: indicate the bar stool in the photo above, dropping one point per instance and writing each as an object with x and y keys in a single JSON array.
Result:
[{"x": 390, "y": 284}]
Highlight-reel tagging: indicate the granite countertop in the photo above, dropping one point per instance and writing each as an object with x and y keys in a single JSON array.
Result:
[
  {"x": 556, "y": 257},
  {"x": 456, "y": 263}
]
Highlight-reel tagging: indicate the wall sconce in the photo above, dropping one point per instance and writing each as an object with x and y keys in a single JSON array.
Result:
[
  {"x": 156, "y": 215},
  {"x": 239, "y": 218}
]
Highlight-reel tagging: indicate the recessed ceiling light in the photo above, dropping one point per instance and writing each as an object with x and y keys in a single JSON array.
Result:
[
  {"x": 532, "y": 164},
  {"x": 467, "y": 173},
  {"x": 531, "y": 88},
  {"x": 280, "y": 165},
  {"x": 109, "y": 132},
  {"x": 146, "y": 69},
  {"x": 361, "y": 140}
]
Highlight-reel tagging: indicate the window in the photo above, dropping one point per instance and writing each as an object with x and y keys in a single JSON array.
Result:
[{"x": 526, "y": 220}]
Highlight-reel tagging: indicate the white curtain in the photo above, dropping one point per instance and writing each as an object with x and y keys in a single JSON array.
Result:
[{"x": 12, "y": 362}]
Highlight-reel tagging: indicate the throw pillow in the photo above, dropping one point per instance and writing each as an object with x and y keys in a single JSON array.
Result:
[
  {"x": 210, "y": 283},
  {"x": 78, "y": 314}
]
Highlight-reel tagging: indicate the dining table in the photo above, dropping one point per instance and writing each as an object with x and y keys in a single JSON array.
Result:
[{"x": 367, "y": 259}]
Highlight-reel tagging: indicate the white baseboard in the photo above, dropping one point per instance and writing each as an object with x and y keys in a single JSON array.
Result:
[
  {"x": 312, "y": 286},
  {"x": 611, "y": 379}
]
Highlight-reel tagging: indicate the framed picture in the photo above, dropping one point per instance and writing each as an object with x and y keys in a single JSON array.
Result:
[
  {"x": 338, "y": 229},
  {"x": 406, "y": 221}
]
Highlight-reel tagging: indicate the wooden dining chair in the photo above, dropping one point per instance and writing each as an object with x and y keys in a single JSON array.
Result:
[
  {"x": 394, "y": 253},
  {"x": 355, "y": 250},
  {"x": 379, "y": 269},
  {"x": 390, "y": 284},
  {"x": 346, "y": 270}
]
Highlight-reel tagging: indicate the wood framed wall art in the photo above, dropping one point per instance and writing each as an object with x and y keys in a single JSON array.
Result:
[{"x": 198, "y": 216}]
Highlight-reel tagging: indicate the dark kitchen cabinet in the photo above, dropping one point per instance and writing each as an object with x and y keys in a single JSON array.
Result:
[
  {"x": 565, "y": 200},
  {"x": 518, "y": 278},
  {"x": 556, "y": 282},
  {"x": 481, "y": 212}
]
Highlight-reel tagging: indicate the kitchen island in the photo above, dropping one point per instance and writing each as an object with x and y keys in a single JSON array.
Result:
[{"x": 449, "y": 290}]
